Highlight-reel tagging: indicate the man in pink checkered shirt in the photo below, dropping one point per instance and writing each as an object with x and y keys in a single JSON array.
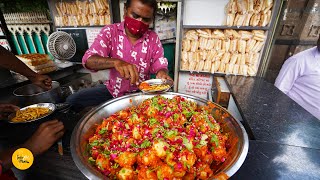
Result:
[{"x": 130, "y": 50}]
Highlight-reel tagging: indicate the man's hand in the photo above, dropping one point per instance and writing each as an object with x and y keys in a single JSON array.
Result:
[
  {"x": 128, "y": 71},
  {"x": 162, "y": 74},
  {"x": 42, "y": 81},
  {"x": 7, "y": 109},
  {"x": 47, "y": 134}
]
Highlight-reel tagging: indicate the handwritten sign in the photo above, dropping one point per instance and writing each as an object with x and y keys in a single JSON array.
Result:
[
  {"x": 92, "y": 34},
  {"x": 195, "y": 84}
]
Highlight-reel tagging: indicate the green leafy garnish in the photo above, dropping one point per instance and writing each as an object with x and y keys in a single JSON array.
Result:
[
  {"x": 91, "y": 160},
  {"x": 175, "y": 116},
  {"x": 199, "y": 145},
  {"x": 172, "y": 167},
  {"x": 134, "y": 116},
  {"x": 145, "y": 144},
  {"x": 115, "y": 166},
  {"x": 214, "y": 139},
  {"x": 209, "y": 122},
  {"x": 94, "y": 143},
  {"x": 188, "y": 114},
  {"x": 134, "y": 145},
  {"x": 186, "y": 143},
  {"x": 185, "y": 164},
  {"x": 102, "y": 130},
  {"x": 203, "y": 141},
  {"x": 171, "y": 133},
  {"x": 106, "y": 153},
  {"x": 127, "y": 126},
  {"x": 153, "y": 121},
  {"x": 141, "y": 153},
  {"x": 172, "y": 149},
  {"x": 155, "y": 131},
  {"x": 166, "y": 125}
]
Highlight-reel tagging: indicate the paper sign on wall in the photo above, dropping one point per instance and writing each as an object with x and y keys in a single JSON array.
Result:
[
  {"x": 195, "y": 84},
  {"x": 92, "y": 34}
]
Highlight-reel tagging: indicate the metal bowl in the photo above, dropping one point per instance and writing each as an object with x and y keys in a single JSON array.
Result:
[
  {"x": 238, "y": 140},
  {"x": 158, "y": 82},
  {"x": 50, "y": 106},
  {"x": 32, "y": 94}
]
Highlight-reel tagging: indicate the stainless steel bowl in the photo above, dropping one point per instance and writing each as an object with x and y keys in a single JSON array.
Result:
[
  {"x": 50, "y": 106},
  {"x": 85, "y": 128},
  {"x": 158, "y": 82},
  {"x": 32, "y": 94}
]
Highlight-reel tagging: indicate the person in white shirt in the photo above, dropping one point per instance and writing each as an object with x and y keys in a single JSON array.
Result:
[{"x": 299, "y": 78}]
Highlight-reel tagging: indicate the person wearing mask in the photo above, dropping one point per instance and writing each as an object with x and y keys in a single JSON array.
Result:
[
  {"x": 299, "y": 78},
  {"x": 130, "y": 50},
  {"x": 46, "y": 134}
]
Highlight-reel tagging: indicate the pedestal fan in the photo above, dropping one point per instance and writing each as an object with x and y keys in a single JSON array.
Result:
[{"x": 62, "y": 47}]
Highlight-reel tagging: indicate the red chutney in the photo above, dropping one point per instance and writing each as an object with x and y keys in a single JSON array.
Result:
[{"x": 158, "y": 139}]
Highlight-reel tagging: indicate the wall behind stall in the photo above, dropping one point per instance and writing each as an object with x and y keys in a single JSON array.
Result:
[
  {"x": 297, "y": 30},
  {"x": 8, "y": 6}
]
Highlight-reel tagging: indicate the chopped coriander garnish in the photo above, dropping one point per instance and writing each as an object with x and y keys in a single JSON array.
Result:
[
  {"x": 145, "y": 144},
  {"x": 209, "y": 122},
  {"x": 141, "y": 153},
  {"x": 215, "y": 139},
  {"x": 153, "y": 121},
  {"x": 171, "y": 133},
  {"x": 175, "y": 116},
  {"x": 134, "y": 145},
  {"x": 198, "y": 145},
  {"x": 186, "y": 143},
  {"x": 188, "y": 114},
  {"x": 155, "y": 131},
  {"x": 102, "y": 131},
  {"x": 115, "y": 166},
  {"x": 91, "y": 160},
  {"x": 94, "y": 143}
]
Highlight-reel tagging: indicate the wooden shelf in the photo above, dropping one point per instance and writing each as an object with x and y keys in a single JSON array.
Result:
[
  {"x": 69, "y": 27},
  {"x": 19, "y": 23},
  {"x": 203, "y": 72},
  {"x": 226, "y": 27},
  {"x": 294, "y": 42}
]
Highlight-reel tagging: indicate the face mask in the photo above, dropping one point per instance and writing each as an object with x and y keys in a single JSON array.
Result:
[{"x": 135, "y": 27}]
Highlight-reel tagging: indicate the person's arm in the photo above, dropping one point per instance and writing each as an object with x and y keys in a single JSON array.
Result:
[
  {"x": 126, "y": 70},
  {"x": 97, "y": 57},
  {"x": 288, "y": 74},
  {"x": 10, "y": 61},
  {"x": 47, "y": 134},
  {"x": 159, "y": 65}
]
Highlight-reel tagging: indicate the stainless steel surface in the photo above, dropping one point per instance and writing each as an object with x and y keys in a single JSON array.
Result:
[
  {"x": 158, "y": 82},
  {"x": 51, "y": 107},
  {"x": 32, "y": 94},
  {"x": 85, "y": 128}
]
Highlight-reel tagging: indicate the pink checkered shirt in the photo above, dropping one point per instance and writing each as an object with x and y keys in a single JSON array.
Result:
[{"x": 147, "y": 54}]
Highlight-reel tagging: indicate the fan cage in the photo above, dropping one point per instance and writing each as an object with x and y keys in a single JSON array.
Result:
[{"x": 57, "y": 42}]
